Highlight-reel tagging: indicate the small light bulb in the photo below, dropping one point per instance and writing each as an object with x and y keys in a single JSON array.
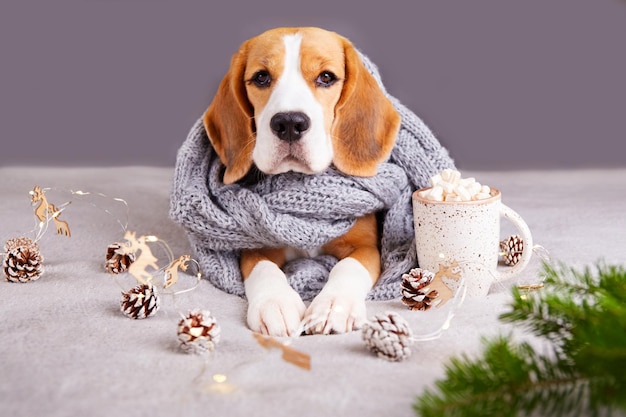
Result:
[{"x": 219, "y": 378}]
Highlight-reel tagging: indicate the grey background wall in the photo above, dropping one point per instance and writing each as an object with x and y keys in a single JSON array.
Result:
[{"x": 503, "y": 83}]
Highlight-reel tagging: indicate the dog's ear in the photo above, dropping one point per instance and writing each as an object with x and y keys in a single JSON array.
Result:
[
  {"x": 229, "y": 121},
  {"x": 366, "y": 123}
]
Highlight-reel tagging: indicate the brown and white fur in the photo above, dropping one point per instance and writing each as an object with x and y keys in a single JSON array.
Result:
[{"x": 300, "y": 99}]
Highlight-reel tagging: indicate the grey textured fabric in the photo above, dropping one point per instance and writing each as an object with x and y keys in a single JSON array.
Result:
[{"x": 303, "y": 211}]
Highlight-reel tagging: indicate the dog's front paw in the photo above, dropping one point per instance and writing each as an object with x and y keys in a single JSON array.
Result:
[
  {"x": 274, "y": 308},
  {"x": 330, "y": 314},
  {"x": 277, "y": 316},
  {"x": 340, "y": 306}
]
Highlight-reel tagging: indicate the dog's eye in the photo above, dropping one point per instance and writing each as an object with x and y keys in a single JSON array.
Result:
[
  {"x": 325, "y": 79},
  {"x": 261, "y": 78}
]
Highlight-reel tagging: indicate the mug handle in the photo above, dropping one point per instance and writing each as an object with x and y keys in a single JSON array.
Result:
[{"x": 510, "y": 214}]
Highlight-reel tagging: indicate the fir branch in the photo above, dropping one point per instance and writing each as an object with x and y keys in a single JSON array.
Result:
[
  {"x": 509, "y": 380},
  {"x": 583, "y": 316}
]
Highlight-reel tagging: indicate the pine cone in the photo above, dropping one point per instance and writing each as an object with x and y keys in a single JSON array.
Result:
[
  {"x": 140, "y": 302},
  {"x": 511, "y": 249},
  {"x": 23, "y": 262},
  {"x": 416, "y": 293},
  {"x": 118, "y": 258},
  {"x": 389, "y": 336},
  {"x": 198, "y": 332}
]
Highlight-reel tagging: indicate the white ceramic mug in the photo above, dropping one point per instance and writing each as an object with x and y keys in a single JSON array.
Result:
[{"x": 467, "y": 232}]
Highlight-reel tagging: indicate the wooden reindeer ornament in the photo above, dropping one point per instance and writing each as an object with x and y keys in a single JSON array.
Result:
[
  {"x": 450, "y": 271},
  {"x": 289, "y": 354},
  {"x": 144, "y": 260},
  {"x": 171, "y": 271},
  {"x": 45, "y": 211},
  {"x": 61, "y": 225}
]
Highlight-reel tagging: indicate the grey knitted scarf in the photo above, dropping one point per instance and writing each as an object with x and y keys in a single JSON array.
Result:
[{"x": 303, "y": 211}]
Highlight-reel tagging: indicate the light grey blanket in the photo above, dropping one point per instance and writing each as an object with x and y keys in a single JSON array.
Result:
[
  {"x": 303, "y": 211},
  {"x": 67, "y": 350}
]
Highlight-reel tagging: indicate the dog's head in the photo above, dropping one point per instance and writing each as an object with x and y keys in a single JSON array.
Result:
[{"x": 299, "y": 99}]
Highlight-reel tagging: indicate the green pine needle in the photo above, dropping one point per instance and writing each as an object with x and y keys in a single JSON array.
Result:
[{"x": 583, "y": 317}]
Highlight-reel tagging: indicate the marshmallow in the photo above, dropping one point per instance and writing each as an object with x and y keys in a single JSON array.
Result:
[
  {"x": 474, "y": 188},
  {"x": 466, "y": 182},
  {"x": 449, "y": 186},
  {"x": 463, "y": 193},
  {"x": 481, "y": 196},
  {"x": 436, "y": 193},
  {"x": 435, "y": 179},
  {"x": 451, "y": 197}
]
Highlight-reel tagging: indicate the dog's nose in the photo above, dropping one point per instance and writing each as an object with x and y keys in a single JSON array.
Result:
[{"x": 290, "y": 126}]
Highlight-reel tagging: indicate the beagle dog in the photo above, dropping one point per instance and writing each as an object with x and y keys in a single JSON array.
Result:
[{"x": 300, "y": 99}]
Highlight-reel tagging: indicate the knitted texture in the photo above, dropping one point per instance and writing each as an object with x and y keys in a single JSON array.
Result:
[{"x": 303, "y": 211}]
